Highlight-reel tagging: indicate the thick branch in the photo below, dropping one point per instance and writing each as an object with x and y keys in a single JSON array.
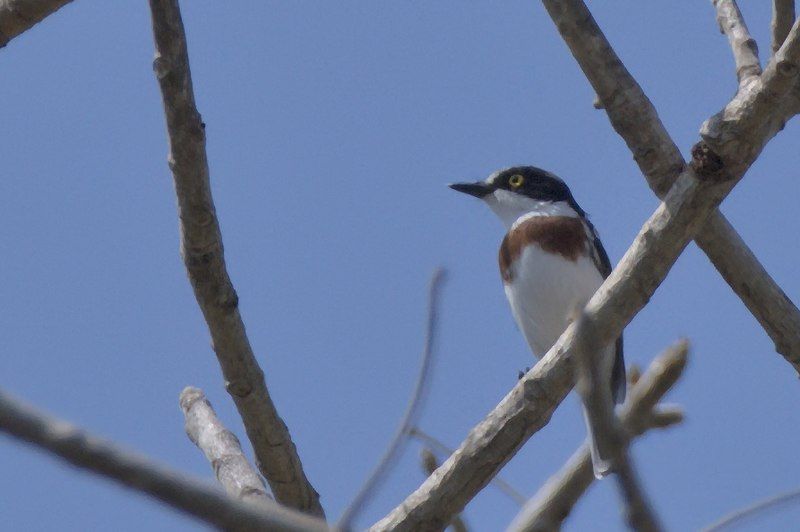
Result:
[
  {"x": 189, "y": 495},
  {"x": 552, "y": 504},
  {"x": 528, "y": 407},
  {"x": 782, "y": 19},
  {"x": 608, "y": 434},
  {"x": 18, "y": 16},
  {"x": 635, "y": 119},
  {"x": 429, "y": 465},
  {"x": 220, "y": 447},
  {"x": 201, "y": 246},
  {"x": 743, "y": 46}
]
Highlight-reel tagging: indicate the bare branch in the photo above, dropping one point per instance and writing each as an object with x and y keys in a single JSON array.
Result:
[
  {"x": 412, "y": 410},
  {"x": 221, "y": 447},
  {"x": 18, "y": 16},
  {"x": 202, "y": 249},
  {"x": 608, "y": 435},
  {"x": 635, "y": 119},
  {"x": 699, "y": 189},
  {"x": 177, "y": 490},
  {"x": 782, "y": 19},
  {"x": 757, "y": 507},
  {"x": 510, "y": 491},
  {"x": 743, "y": 46},
  {"x": 554, "y": 501},
  {"x": 429, "y": 465}
]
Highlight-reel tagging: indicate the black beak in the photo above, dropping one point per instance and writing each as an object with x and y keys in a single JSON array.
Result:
[{"x": 479, "y": 189}]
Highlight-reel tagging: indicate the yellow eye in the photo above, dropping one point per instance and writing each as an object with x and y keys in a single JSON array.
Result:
[{"x": 516, "y": 181}]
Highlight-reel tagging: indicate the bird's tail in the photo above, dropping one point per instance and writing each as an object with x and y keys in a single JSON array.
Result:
[{"x": 601, "y": 458}]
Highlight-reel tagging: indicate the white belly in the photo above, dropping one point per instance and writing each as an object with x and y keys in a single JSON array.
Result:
[{"x": 547, "y": 292}]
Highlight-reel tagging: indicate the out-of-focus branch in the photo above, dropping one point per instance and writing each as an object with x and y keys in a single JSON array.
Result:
[
  {"x": 551, "y": 505},
  {"x": 201, "y": 246},
  {"x": 782, "y": 20},
  {"x": 700, "y": 188},
  {"x": 740, "y": 515},
  {"x": 18, "y": 16},
  {"x": 177, "y": 490},
  {"x": 437, "y": 446},
  {"x": 599, "y": 405},
  {"x": 635, "y": 119},
  {"x": 743, "y": 46},
  {"x": 411, "y": 414},
  {"x": 221, "y": 447},
  {"x": 429, "y": 465}
]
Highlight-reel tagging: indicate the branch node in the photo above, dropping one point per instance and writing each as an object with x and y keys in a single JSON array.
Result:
[{"x": 707, "y": 164}]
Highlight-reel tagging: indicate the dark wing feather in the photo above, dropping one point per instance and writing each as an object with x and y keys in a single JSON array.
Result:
[{"x": 600, "y": 258}]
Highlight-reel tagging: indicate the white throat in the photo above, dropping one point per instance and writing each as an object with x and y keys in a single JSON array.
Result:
[{"x": 513, "y": 208}]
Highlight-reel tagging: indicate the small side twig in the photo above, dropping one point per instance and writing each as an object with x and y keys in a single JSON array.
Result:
[
  {"x": 592, "y": 384},
  {"x": 221, "y": 447},
  {"x": 760, "y": 506},
  {"x": 744, "y": 47},
  {"x": 204, "y": 258},
  {"x": 552, "y": 504},
  {"x": 412, "y": 410},
  {"x": 429, "y": 465},
  {"x": 191, "y": 496},
  {"x": 782, "y": 19}
]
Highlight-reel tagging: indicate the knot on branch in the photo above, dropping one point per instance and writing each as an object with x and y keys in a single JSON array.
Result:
[{"x": 707, "y": 164}]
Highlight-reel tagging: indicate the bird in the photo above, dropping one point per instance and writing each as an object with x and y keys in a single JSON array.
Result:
[{"x": 551, "y": 263}]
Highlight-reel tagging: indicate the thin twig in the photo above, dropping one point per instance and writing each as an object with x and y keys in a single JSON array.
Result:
[
  {"x": 437, "y": 446},
  {"x": 755, "y": 508},
  {"x": 714, "y": 171},
  {"x": 743, "y": 46},
  {"x": 411, "y": 414},
  {"x": 221, "y": 448},
  {"x": 192, "y": 496},
  {"x": 782, "y": 20},
  {"x": 201, "y": 246},
  {"x": 553, "y": 503},
  {"x": 17, "y": 16},
  {"x": 607, "y": 433},
  {"x": 634, "y": 118},
  {"x": 429, "y": 465}
]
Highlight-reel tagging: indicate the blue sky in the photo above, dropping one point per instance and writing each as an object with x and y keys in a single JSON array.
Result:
[{"x": 333, "y": 129}]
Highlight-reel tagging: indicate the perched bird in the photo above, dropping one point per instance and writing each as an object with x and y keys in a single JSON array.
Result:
[{"x": 551, "y": 263}]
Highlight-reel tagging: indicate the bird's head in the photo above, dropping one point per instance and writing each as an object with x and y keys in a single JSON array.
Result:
[{"x": 523, "y": 191}]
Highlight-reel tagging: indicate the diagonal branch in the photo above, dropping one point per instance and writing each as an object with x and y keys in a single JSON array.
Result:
[
  {"x": 742, "y": 514},
  {"x": 782, "y": 19},
  {"x": 221, "y": 447},
  {"x": 552, "y": 504},
  {"x": 593, "y": 388},
  {"x": 527, "y": 408},
  {"x": 201, "y": 246},
  {"x": 743, "y": 46},
  {"x": 634, "y": 118},
  {"x": 429, "y": 465},
  {"x": 18, "y": 16},
  {"x": 173, "y": 488}
]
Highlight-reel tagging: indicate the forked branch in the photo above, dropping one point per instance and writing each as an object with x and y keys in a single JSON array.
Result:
[
  {"x": 548, "y": 509},
  {"x": 202, "y": 250},
  {"x": 193, "y": 497},
  {"x": 635, "y": 119}
]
